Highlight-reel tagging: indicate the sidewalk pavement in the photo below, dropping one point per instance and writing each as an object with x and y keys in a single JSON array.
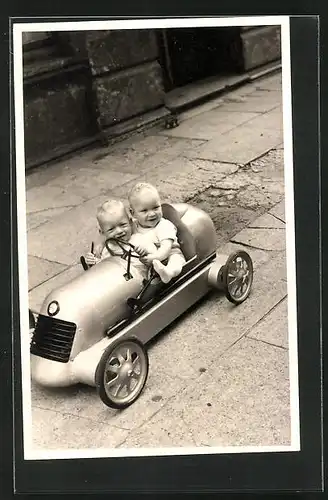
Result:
[{"x": 219, "y": 375}]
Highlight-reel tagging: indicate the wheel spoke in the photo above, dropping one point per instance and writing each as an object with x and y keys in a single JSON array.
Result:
[
  {"x": 113, "y": 368},
  {"x": 238, "y": 287},
  {"x": 120, "y": 358},
  {"x": 111, "y": 382},
  {"x": 119, "y": 388},
  {"x": 135, "y": 375},
  {"x": 136, "y": 361},
  {"x": 128, "y": 355},
  {"x": 129, "y": 384}
]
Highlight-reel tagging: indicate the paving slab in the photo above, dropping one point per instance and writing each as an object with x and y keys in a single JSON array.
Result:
[
  {"x": 270, "y": 83},
  {"x": 240, "y": 145},
  {"x": 57, "y": 197},
  {"x": 199, "y": 110},
  {"x": 267, "y": 221},
  {"x": 228, "y": 219},
  {"x": 260, "y": 198},
  {"x": 197, "y": 338},
  {"x": 242, "y": 401},
  {"x": 78, "y": 228},
  {"x": 36, "y": 219},
  {"x": 271, "y": 120},
  {"x": 57, "y": 431},
  {"x": 211, "y": 125},
  {"x": 263, "y": 238},
  {"x": 145, "y": 153},
  {"x": 82, "y": 401},
  {"x": 259, "y": 257},
  {"x": 216, "y": 167},
  {"x": 259, "y": 101},
  {"x": 39, "y": 293},
  {"x": 270, "y": 166},
  {"x": 245, "y": 177},
  {"x": 279, "y": 211},
  {"x": 75, "y": 186},
  {"x": 244, "y": 189},
  {"x": 180, "y": 178},
  {"x": 49, "y": 172},
  {"x": 242, "y": 91},
  {"x": 40, "y": 270},
  {"x": 273, "y": 328}
]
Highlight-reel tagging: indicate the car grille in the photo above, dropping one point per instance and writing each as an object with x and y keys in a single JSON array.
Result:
[{"x": 53, "y": 338}]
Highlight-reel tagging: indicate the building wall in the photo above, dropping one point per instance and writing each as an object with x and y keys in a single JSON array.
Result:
[
  {"x": 260, "y": 45},
  {"x": 126, "y": 75},
  {"x": 82, "y": 87}
]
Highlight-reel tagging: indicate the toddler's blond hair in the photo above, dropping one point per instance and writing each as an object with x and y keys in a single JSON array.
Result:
[
  {"x": 139, "y": 188},
  {"x": 109, "y": 207}
]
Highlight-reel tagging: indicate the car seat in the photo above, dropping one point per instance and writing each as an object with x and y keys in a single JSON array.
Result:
[{"x": 185, "y": 238}]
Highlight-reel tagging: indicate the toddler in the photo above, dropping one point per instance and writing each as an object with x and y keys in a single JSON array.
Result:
[
  {"x": 115, "y": 223},
  {"x": 154, "y": 230}
]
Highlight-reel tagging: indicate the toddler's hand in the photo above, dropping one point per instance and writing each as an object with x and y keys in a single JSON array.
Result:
[
  {"x": 147, "y": 259},
  {"x": 91, "y": 259},
  {"x": 140, "y": 250}
]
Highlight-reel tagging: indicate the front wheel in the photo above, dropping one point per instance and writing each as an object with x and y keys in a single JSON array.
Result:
[
  {"x": 122, "y": 373},
  {"x": 238, "y": 276}
]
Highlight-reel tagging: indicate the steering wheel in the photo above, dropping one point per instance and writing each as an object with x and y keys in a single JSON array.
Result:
[{"x": 121, "y": 243}]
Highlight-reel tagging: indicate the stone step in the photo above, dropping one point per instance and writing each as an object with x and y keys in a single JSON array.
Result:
[{"x": 201, "y": 91}]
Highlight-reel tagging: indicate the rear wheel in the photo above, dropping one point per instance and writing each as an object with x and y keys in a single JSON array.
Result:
[
  {"x": 122, "y": 373},
  {"x": 238, "y": 276}
]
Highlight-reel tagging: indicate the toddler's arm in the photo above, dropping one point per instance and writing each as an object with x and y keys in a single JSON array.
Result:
[
  {"x": 94, "y": 257},
  {"x": 162, "y": 252},
  {"x": 91, "y": 259},
  {"x": 166, "y": 232}
]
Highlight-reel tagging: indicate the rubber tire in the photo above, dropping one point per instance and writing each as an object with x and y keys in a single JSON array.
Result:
[
  {"x": 99, "y": 375},
  {"x": 232, "y": 257}
]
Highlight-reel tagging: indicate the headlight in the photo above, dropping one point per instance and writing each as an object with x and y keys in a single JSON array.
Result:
[{"x": 53, "y": 308}]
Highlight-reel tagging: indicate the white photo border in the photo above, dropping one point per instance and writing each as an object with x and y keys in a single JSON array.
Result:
[{"x": 18, "y": 29}]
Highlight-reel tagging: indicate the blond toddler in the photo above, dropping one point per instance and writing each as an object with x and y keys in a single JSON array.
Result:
[
  {"x": 152, "y": 229},
  {"x": 115, "y": 224}
]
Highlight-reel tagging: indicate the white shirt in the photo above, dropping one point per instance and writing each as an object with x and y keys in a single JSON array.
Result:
[{"x": 164, "y": 230}]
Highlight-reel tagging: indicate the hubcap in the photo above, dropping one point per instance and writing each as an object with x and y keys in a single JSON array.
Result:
[
  {"x": 125, "y": 372},
  {"x": 238, "y": 277}
]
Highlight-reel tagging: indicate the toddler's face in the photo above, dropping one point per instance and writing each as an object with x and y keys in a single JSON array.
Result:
[
  {"x": 115, "y": 224},
  {"x": 147, "y": 208}
]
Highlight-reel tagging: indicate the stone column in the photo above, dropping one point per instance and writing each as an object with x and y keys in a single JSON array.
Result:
[
  {"x": 58, "y": 116},
  {"x": 84, "y": 85},
  {"x": 127, "y": 79},
  {"x": 260, "y": 45}
]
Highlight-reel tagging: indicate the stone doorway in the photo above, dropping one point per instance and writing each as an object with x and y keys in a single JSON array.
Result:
[{"x": 193, "y": 54}]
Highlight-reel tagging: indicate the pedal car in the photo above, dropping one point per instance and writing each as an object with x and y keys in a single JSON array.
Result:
[{"x": 95, "y": 329}]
